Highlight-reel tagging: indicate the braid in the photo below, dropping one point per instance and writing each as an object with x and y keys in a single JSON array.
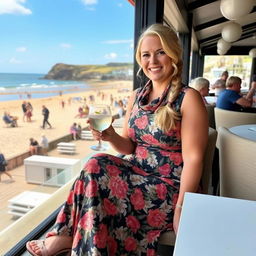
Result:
[{"x": 166, "y": 116}]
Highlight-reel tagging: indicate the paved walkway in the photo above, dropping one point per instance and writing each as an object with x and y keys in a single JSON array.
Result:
[{"x": 9, "y": 189}]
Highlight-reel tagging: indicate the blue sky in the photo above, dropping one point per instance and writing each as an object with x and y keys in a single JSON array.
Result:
[{"x": 36, "y": 34}]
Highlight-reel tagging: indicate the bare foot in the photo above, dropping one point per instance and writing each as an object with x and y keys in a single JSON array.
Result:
[{"x": 50, "y": 246}]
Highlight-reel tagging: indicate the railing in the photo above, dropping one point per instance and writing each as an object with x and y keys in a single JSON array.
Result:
[{"x": 21, "y": 229}]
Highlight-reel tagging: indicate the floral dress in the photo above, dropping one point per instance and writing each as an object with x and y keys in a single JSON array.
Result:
[{"x": 120, "y": 206}]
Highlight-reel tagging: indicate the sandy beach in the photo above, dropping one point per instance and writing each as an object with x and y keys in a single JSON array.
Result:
[{"x": 15, "y": 140}]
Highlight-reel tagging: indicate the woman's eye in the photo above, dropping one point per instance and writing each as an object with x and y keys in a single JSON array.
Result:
[
  {"x": 145, "y": 55},
  {"x": 161, "y": 53}
]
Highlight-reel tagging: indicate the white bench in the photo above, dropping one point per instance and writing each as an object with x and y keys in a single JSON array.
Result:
[
  {"x": 86, "y": 135},
  {"x": 65, "y": 147},
  {"x": 25, "y": 201}
]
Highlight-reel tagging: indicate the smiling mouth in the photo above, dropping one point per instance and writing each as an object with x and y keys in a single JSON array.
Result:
[{"x": 155, "y": 69}]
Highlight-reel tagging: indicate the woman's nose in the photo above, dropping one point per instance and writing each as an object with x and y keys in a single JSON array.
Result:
[{"x": 153, "y": 58}]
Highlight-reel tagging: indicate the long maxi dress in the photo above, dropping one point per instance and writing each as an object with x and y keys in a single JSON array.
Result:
[{"x": 120, "y": 206}]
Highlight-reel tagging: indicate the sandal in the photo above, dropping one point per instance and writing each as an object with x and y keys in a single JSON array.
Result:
[{"x": 44, "y": 252}]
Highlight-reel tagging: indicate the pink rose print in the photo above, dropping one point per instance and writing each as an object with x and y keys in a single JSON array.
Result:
[
  {"x": 141, "y": 152},
  {"x": 174, "y": 199},
  {"x": 156, "y": 218},
  {"x": 139, "y": 171},
  {"x": 133, "y": 223},
  {"x": 151, "y": 252},
  {"x": 100, "y": 238},
  {"x": 164, "y": 169},
  {"x": 70, "y": 199},
  {"x": 87, "y": 221},
  {"x": 130, "y": 244},
  {"x": 161, "y": 191},
  {"x": 91, "y": 189},
  {"x": 137, "y": 199},
  {"x": 79, "y": 187},
  {"x": 61, "y": 216},
  {"x": 164, "y": 153},
  {"x": 118, "y": 187},
  {"x": 153, "y": 235},
  {"x": 112, "y": 246},
  {"x": 113, "y": 170},
  {"x": 150, "y": 139},
  {"x": 141, "y": 122},
  {"x": 176, "y": 158},
  {"x": 115, "y": 159},
  {"x": 109, "y": 207},
  {"x": 76, "y": 239},
  {"x": 92, "y": 166},
  {"x": 168, "y": 181},
  {"x": 131, "y": 133}
]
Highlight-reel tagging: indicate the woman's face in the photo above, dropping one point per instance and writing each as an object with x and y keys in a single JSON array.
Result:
[{"x": 156, "y": 64}]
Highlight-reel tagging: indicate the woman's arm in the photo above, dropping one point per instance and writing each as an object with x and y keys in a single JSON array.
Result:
[
  {"x": 194, "y": 136},
  {"x": 122, "y": 144}
]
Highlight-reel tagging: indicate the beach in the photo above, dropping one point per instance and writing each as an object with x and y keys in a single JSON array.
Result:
[{"x": 15, "y": 140}]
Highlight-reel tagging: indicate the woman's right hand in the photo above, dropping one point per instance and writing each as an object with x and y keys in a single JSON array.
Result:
[{"x": 106, "y": 135}]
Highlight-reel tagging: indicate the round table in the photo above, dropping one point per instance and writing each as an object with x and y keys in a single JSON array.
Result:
[{"x": 247, "y": 131}]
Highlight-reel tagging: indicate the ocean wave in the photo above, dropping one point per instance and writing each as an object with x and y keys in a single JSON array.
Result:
[{"x": 2, "y": 89}]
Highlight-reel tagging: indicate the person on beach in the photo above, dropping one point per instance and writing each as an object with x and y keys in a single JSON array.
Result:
[
  {"x": 74, "y": 131},
  {"x": 9, "y": 119},
  {"x": 45, "y": 113},
  {"x": 24, "y": 109},
  {"x": 29, "y": 110},
  {"x": 33, "y": 146},
  {"x": 3, "y": 164},
  {"x": 44, "y": 144},
  {"x": 120, "y": 206}
]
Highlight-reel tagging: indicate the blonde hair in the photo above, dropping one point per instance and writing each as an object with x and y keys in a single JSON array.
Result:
[
  {"x": 166, "y": 116},
  {"x": 199, "y": 83},
  {"x": 233, "y": 80}
]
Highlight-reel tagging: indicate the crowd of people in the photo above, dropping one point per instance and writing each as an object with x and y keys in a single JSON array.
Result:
[{"x": 228, "y": 92}]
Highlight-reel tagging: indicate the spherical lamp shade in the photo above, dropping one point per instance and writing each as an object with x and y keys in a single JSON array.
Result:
[
  {"x": 252, "y": 53},
  {"x": 221, "y": 52},
  {"x": 223, "y": 45},
  {"x": 231, "y": 32},
  {"x": 234, "y": 9}
]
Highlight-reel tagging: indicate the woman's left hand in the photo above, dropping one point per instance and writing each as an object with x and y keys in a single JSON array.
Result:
[{"x": 176, "y": 219}]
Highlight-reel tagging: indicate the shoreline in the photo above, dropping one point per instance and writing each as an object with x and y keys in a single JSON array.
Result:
[{"x": 15, "y": 140}]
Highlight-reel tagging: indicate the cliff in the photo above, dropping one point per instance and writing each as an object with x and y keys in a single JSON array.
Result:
[{"x": 62, "y": 71}]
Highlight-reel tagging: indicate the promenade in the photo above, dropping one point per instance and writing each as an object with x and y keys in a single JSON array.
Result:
[{"x": 9, "y": 189}]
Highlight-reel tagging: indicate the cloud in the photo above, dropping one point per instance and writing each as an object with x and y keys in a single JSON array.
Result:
[
  {"x": 13, "y": 60},
  {"x": 129, "y": 41},
  {"x": 65, "y": 45},
  {"x": 120, "y": 5},
  {"x": 13, "y": 7},
  {"x": 21, "y": 49},
  {"x": 89, "y": 2},
  {"x": 111, "y": 55}
]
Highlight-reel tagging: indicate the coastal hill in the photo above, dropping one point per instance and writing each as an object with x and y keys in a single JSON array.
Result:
[{"x": 61, "y": 71}]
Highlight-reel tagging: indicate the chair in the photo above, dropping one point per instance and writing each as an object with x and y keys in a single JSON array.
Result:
[
  {"x": 210, "y": 111},
  {"x": 227, "y": 118},
  {"x": 237, "y": 166},
  {"x": 168, "y": 238}
]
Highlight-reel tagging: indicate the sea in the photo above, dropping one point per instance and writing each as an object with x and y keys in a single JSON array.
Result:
[{"x": 16, "y": 86}]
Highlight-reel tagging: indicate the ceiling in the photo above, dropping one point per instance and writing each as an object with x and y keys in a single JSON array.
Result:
[{"x": 207, "y": 23}]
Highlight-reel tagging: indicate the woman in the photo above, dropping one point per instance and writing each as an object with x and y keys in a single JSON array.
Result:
[
  {"x": 118, "y": 206},
  {"x": 33, "y": 146},
  {"x": 202, "y": 86}
]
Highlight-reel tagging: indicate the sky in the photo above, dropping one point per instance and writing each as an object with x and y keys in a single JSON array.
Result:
[{"x": 36, "y": 34}]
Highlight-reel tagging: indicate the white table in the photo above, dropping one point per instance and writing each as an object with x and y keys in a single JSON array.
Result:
[
  {"x": 211, "y": 99},
  {"x": 212, "y": 225},
  {"x": 25, "y": 201},
  {"x": 247, "y": 131}
]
